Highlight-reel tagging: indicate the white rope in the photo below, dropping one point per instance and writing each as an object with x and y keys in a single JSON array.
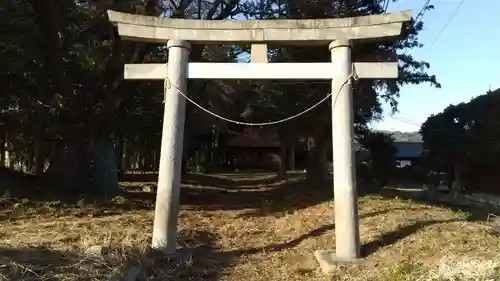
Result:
[{"x": 169, "y": 85}]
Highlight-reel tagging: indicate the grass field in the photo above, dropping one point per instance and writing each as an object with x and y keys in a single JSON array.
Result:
[{"x": 239, "y": 229}]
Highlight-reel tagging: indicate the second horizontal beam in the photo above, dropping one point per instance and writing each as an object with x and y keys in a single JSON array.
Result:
[{"x": 263, "y": 71}]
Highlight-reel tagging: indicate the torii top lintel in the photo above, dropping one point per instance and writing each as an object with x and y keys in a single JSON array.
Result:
[{"x": 302, "y": 32}]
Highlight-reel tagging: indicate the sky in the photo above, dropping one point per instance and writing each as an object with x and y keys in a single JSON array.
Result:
[{"x": 464, "y": 59}]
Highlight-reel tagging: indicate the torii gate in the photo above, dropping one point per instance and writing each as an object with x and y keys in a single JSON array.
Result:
[{"x": 337, "y": 34}]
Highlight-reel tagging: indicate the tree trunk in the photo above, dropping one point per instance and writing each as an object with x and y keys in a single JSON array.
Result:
[
  {"x": 285, "y": 136},
  {"x": 186, "y": 148},
  {"x": 431, "y": 190},
  {"x": 105, "y": 169},
  {"x": 30, "y": 163},
  {"x": 291, "y": 158},
  {"x": 317, "y": 170},
  {"x": 40, "y": 155},
  {"x": 214, "y": 149},
  {"x": 156, "y": 163},
  {"x": 120, "y": 153},
  {"x": 457, "y": 184},
  {"x": 282, "y": 162},
  {"x": 3, "y": 147},
  {"x": 88, "y": 168},
  {"x": 63, "y": 171}
]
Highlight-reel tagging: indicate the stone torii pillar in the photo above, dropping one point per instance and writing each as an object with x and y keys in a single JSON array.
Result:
[
  {"x": 169, "y": 178},
  {"x": 337, "y": 34},
  {"x": 344, "y": 178}
]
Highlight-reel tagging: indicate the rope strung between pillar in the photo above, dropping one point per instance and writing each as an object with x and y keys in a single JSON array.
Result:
[{"x": 168, "y": 85}]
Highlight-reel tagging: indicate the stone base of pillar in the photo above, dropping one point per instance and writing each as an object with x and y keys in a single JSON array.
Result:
[
  {"x": 179, "y": 255},
  {"x": 329, "y": 262}
]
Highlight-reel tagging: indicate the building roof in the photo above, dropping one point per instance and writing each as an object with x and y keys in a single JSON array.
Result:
[
  {"x": 253, "y": 137},
  {"x": 406, "y": 149}
]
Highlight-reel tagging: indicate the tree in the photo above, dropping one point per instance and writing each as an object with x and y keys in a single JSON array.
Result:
[
  {"x": 19, "y": 78},
  {"x": 381, "y": 156},
  {"x": 278, "y": 100},
  {"x": 462, "y": 141},
  {"x": 81, "y": 83},
  {"x": 68, "y": 106}
]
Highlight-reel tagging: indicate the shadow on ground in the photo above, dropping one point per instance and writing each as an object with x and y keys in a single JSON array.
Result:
[
  {"x": 220, "y": 180},
  {"x": 199, "y": 258},
  {"x": 368, "y": 249},
  {"x": 196, "y": 261},
  {"x": 477, "y": 212},
  {"x": 263, "y": 195},
  {"x": 40, "y": 263},
  {"x": 393, "y": 237},
  {"x": 258, "y": 197}
]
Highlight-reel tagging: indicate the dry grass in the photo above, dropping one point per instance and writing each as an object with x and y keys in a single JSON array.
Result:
[{"x": 253, "y": 234}]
